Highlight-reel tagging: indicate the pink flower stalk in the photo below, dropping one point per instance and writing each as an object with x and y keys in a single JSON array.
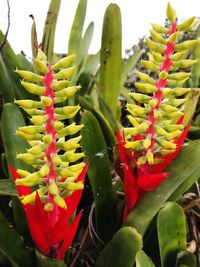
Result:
[
  {"x": 58, "y": 177},
  {"x": 157, "y": 131}
]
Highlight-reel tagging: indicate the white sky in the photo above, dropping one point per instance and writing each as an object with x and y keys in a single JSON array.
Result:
[{"x": 136, "y": 18}]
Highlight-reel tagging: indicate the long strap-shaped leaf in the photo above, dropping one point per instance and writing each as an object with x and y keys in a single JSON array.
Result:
[
  {"x": 77, "y": 27},
  {"x": 110, "y": 57},
  {"x": 49, "y": 29},
  {"x": 99, "y": 174},
  {"x": 121, "y": 251},
  {"x": 12, "y": 245}
]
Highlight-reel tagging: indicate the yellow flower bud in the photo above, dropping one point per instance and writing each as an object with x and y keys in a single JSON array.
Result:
[
  {"x": 143, "y": 127},
  {"x": 159, "y": 28},
  {"x": 175, "y": 115},
  {"x": 130, "y": 131},
  {"x": 30, "y": 76},
  {"x": 166, "y": 144},
  {"x": 174, "y": 37},
  {"x": 175, "y": 134},
  {"x": 67, "y": 92},
  {"x": 76, "y": 167},
  {"x": 141, "y": 160},
  {"x": 40, "y": 66},
  {"x": 155, "y": 47},
  {"x": 181, "y": 91},
  {"x": 65, "y": 172},
  {"x": 46, "y": 101},
  {"x": 134, "y": 144},
  {"x": 178, "y": 56},
  {"x": 157, "y": 57},
  {"x": 56, "y": 160},
  {"x": 33, "y": 88},
  {"x": 70, "y": 156},
  {"x": 160, "y": 130},
  {"x": 41, "y": 56},
  {"x": 47, "y": 139},
  {"x": 22, "y": 173},
  {"x": 57, "y": 125},
  {"x": 48, "y": 207},
  {"x": 179, "y": 75},
  {"x": 168, "y": 108},
  {"x": 150, "y": 65},
  {"x": 53, "y": 189},
  {"x": 165, "y": 152},
  {"x": 145, "y": 77},
  {"x": 133, "y": 121},
  {"x": 32, "y": 129},
  {"x": 147, "y": 142},
  {"x": 158, "y": 114},
  {"x": 59, "y": 85},
  {"x": 158, "y": 37},
  {"x": 35, "y": 150},
  {"x": 60, "y": 201},
  {"x": 149, "y": 157},
  {"x": 185, "y": 45},
  {"x": 26, "y": 157},
  {"x": 146, "y": 88},
  {"x": 137, "y": 110},
  {"x": 64, "y": 74},
  {"x": 59, "y": 99},
  {"x": 70, "y": 144},
  {"x": 39, "y": 119},
  {"x": 28, "y": 104},
  {"x": 71, "y": 111},
  {"x": 171, "y": 14},
  {"x": 184, "y": 63},
  {"x": 29, "y": 198},
  {"x": 33, "y": 111},
  {"x": 163, "y": 75},
  {"x": 167, "y": 91},
  {"x": 174, "y": 127},
  {"x": 153, "y": 102},
  {"x": 70, "y": 130},
  {"x": 140, "y": 97},
  {"x": 44, "y": 171},
  {"x": 30, "y": 180},
  {"x": 28, "y": 136},
  {"x": 185, "y": 25},
  {"x": 64, "y": 62},
  {"x": 74, "y": 186}
]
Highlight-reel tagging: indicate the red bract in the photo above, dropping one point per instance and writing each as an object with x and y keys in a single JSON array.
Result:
[{"x": 52, "y": 234}]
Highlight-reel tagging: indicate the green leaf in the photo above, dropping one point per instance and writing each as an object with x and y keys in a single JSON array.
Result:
[
  {"x": 34, "y": 39},
  {"x": 77, "y": 28},
  {"x": 171, "y": 226},
  {"x": 142, "y": 260},
  {"x": 43, "y": 261},
  {"x": 99, "y": 174},
  {"x": 129, "y": 64},
  {"x": 108, "y": 132},
  {"x": 181, "y": 169},
  {"x": 12, "y": 245},
  {"x": 83, "y": 50},
  {"x": 186, "y": 258},
  {"x": 7, "y": 188},
  {"x": 121, "y": 250},
  {"x": 110, "y": 57},
  {"x": 49, "y": 29},
  {"x": 196, "y": 67},
  {"x": 190, "y": 105}
]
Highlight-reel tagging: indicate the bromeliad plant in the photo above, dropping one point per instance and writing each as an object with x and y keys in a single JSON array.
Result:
[
  {"x": 157, "y": 131},
  {"x": 51, "y": 193}
]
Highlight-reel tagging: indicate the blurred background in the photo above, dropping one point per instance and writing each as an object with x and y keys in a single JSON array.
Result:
[{"x": 136, "y": 19}]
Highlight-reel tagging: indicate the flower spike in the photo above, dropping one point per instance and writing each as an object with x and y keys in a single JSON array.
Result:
[
  {"x": 157, "y": 132},
  {"x": 58, "y": 176}
]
